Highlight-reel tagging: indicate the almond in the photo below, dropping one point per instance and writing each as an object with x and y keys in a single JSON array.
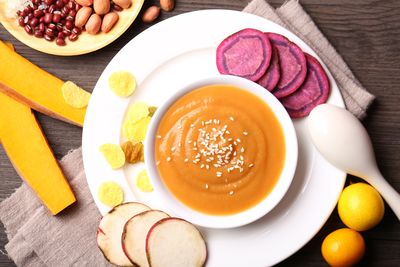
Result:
[
  {"x": 109, "y": 21},
  {"x": 82, "y": 16},
  {"x": 123, "y": 3},
  {"x": 167, "y": 5},
  {"x": 151, "y": 14},
  {"x": 101, "y": 7},
  {"x": 84, "y": 2},
  {"x": 93, "y": 24}
]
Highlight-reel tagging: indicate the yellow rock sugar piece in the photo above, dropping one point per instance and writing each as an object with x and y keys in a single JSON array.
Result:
[
  {"x": 113, "y": 155},
  {"x": 110, "y": 194},
  {"x": 74, "y": 95},
  {"x": 143, "y": 182},
  {"x": 122, "y": 83}
]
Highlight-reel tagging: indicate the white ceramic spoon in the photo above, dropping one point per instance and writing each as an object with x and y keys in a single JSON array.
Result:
[{"x": 341, "y": 138}]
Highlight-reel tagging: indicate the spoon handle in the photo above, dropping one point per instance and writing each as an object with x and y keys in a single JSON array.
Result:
[{"x": 391, "y": 196}]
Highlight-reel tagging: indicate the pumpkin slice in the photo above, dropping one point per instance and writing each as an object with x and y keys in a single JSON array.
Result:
[
  {"x": 29, "y": 152},
  {"x": 35, "y": 87}
]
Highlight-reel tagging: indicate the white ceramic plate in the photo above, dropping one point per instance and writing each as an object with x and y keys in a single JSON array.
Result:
[{"x": 163, "y": 59}]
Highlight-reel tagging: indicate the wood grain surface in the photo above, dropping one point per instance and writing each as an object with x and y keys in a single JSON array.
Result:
[{"x": 365, "y": 32}]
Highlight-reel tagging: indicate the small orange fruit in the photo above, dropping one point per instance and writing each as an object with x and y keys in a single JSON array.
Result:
[{"x": 343, "y": 247}]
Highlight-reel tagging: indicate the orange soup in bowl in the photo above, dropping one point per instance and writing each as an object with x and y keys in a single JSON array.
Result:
[{"x": 219, "y": 149}]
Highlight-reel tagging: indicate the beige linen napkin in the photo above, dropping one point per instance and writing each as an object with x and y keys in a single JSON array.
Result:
[{"x": 38, "y": 239}]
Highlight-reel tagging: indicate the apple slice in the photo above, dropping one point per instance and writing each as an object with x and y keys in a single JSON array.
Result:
[
  {"x": 110, "y": 231},
  {"x": 135, "y": 233},
  {"x": 174, "y": 242}
]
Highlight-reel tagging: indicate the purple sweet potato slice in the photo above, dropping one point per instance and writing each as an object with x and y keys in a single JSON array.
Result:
[
  {"x": 271, "y": 77},
  {"x": 314, "y": 91},
  {"x": 292, "y": 63},
  {"x": 246, "y": 53}
]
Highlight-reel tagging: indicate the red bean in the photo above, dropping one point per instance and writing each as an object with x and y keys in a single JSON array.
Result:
[
  {"x": 76, "y": 30},
  {"x": 61, "y": 35},
  {"x": 71, "y": 5},
  {"x": 52, "y": 26},
  {"x": 48, "y": 2},
  {"x": 48, "y": 18},
  {"x": 60, "y": 42},
  {"x": 48, "y": 38},
  {"x": 19, "y": 13},
  {"x": 52, "y": 8},
  {"x": 38, "y": 34},
  {"x": 69, "y": 25},
  {"x": 28, "y": 29},
  {"x": 33, "y": 22},
  {"x": 60, "y": 4},
  {"x": 72, "y": 13},
  {"x": 27, "y": 10},
  {"x": 21, "y": 21},
  {"x": 70, "y": 18},
  {"x": 77, "y": 7},
  {"x": 41, "y": 27},
  {"x": 38, "y": 13},
  {"x": 49, "y": 32},
  {"x": 56, "y": 17},
  {"x": 66, "y": 32},
  {"x": 59, "y": 27},
  {"x": 66, "y": 1},
  {"x": 73, "y": 37},
  {"x": 65, "y": 10},
  {"x": 30, "y": 15},
  {"x": 36, "y": 2}
]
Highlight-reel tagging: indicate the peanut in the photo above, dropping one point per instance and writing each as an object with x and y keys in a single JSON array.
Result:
[
  {"x": 167, "y": 5},
  {"x": 84, "y": 2},
  {"x": 151, "y": 14},
  {"x": 101, "y": 7},
  {"x": 93, "y": 24},
  {"x": 109, "y": 21},
  {"x": 82, "y": 16},
  {"x": 123, "y": 3}
]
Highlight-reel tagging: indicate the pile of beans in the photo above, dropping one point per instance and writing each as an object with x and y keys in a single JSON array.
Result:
[{"x": 51, "y": 20}]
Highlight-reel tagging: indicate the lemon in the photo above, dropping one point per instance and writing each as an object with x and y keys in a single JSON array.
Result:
[
  {"x": 343, "y": 247},
  {"x": 360, "y": 207}
]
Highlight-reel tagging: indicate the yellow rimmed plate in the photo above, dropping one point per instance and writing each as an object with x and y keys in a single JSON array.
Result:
[{"x": 86, "y": 43}]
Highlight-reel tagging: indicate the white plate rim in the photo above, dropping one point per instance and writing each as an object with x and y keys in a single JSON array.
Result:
[{"x": 247, "y": 20}]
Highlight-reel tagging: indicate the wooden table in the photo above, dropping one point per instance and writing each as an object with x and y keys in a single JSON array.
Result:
[{"x": 365, "y": 32}]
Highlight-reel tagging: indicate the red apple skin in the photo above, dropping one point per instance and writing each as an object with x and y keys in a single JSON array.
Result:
[{"x": 124, "y": 235}]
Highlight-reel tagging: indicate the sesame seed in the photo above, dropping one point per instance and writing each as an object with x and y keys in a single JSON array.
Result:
[
  {"x": 227, "y": 132},
  {"x": 251, "y": 165},
  {"x": 190, "y": 141},
  {"x": 186, "y": 160},
  {"x": 192, "y": 125},
  {"x": 242, "y": 149},
  {"x": 231, "y": 193},
  {"x": 194, "y": 143},
  {"x": 168, "y": 158},
  {"x": 206, "y": 186},
  {"x": 231, "y": 118},
  {"x": 201, "y": 166},
  {"x": 207, "y": 166},
  {"x": 179, "y": 126},
  {"x": 179, "y": 144},
  {"x": 245, "y": 133},
  {"x": 157, "y": 162},
  {"x": 158, "y": 136},
  {"x": 173, "y": 149},
  {"x": 219, "y": 174},
  {"x": 238, "y": 140}
]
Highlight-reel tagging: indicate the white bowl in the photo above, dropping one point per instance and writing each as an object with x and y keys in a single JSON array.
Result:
[{"x": 253, "y": 213}]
